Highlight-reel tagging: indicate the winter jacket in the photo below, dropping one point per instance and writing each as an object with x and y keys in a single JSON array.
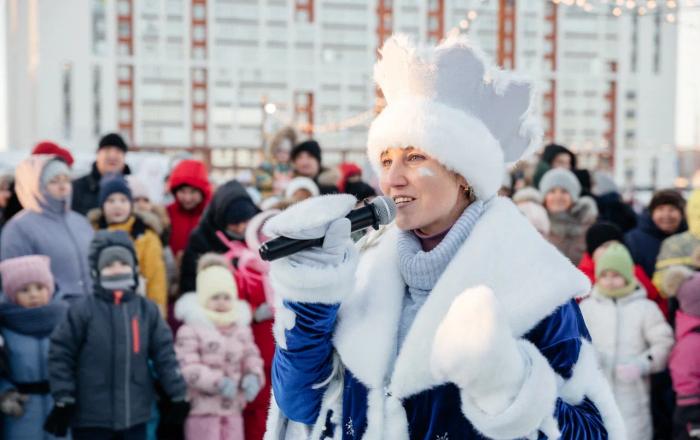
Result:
[
  {"x": 568, "y": 229},
  {"x": 48, "y": 227},
  {"x": 251, "y": 274},
  {"x": 587, "y": 266},
  {"x": 644, "y": 242},
  {"x": 149, "y": 251},
  {"x": 27, "y": 346},
  {"x": 337, "y": 372},
  {"x": 194, "y": 174},
  {"x": 208, "y": 354},
  {"x": 86, "y": 190},
  {"x": 685, "y": 360},
  {"x": 612, "y": 209},
  {"x": 159, "y": 221},
  {"x": 204, "y": 238},
  {"x": 100, "y": 356},
  {"x": 629, "y": 330}
]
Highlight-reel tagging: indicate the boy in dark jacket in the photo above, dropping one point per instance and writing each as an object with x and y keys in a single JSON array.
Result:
[{"x": 99, "y": 356}]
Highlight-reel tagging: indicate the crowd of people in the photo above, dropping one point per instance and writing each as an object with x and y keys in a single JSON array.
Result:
[{"x": 121, "y": 318}]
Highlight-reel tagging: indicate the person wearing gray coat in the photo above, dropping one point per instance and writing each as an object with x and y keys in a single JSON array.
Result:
[
  {"x": 47, "y": 226},
  {"x": 99, "y": 356}
]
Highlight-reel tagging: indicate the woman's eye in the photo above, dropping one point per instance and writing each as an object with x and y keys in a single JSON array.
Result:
[
  {"x": 415, "y": 157},
  {"x": 386, "y": 163}
]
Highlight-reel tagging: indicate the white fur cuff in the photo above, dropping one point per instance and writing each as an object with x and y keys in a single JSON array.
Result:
[
  {"x": 319, "y": 285},
  {"x": 532, "y": 409}
]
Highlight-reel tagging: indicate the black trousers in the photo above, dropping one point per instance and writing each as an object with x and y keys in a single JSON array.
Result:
[{"x": 137, "y": 432}]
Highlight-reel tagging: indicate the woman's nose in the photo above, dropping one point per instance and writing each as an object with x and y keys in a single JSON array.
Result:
[{"x": 396, "y": 175}]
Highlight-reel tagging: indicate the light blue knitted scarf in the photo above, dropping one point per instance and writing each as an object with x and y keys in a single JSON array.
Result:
[{"x": 421, "y": 270}]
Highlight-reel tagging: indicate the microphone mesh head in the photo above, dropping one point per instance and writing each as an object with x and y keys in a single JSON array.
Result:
[{"x": 385, "y": 208}]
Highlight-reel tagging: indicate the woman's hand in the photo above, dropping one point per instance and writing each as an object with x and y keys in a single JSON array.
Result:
[
  {"x": 314, "y": 218},
  {"x": 475, "y": 349}
]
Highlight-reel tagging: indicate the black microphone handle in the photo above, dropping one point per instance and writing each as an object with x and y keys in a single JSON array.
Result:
[{"x": 285, "y": 247}]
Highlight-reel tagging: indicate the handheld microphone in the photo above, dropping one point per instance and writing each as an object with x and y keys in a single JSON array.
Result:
[{"x": 381, "y": 211}]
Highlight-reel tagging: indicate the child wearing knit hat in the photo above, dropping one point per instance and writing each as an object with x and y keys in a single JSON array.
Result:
[
  {"x": 28, "y": 315},
  {"x": 630, "y": 334},
  {"x": 117, "y": 213},
  {"x": 685, "y": 360},
  {"x": 219, "y": 359}
]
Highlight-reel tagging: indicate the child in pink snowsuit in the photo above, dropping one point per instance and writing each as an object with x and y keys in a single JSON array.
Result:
[
  {"x": 219, "y": 359},
  {"x": 685, "y": 360}
]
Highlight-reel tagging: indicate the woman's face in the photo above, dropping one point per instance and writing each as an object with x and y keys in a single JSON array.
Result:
[
  {"x": 668, "y": 218},
  {"x": 428, "y": 197},
  {"x": 558, "y": 200},
  {"x": 59, "y": 187}
]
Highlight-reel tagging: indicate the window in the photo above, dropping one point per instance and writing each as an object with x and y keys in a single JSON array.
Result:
[
  {"x": 67, "y": 101},
  {"x": 96, "y": 100},
  {"x": 99, "y": 32}
]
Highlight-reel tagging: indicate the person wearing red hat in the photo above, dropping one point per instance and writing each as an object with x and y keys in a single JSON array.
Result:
[
  {"x": 48, "y": 147},
  {"x": 189, "y": 185}
]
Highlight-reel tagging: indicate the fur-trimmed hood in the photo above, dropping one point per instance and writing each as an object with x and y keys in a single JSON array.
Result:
[
  {"x": 190, "y": 311},
  {"x": 142, "y": 221}
]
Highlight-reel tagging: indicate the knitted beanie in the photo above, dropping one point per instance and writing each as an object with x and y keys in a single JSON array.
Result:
[
  {"x": 115, "y": 253},
  {"x": 48, "y": 147},
  {"x": 116, "y": 184},
  {"x": 561, "y": 178},
  {"x": 311, "y": 146},
  {"x": 214, "y": 280},
  {"x": 616, "y": 258},
  {"x": 113, "y": 140},
  {"x": 667, "y": 197},
  {"x": 601, "y": 233},
  {"x": 240, "y": 210},
  {"x": 139, "y": 190},
  {"x": 54, "y": 167},
  {"x": 17, "y": 272},
  {"x": 689, "y": 296}
]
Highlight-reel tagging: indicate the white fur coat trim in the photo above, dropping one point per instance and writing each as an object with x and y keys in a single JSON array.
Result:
[
  {"x": 456, "y": 139},
  {"x": 190, "y": 311},
  {"x": 504, "y": 252},
  {"x": 532, "y": 409}
]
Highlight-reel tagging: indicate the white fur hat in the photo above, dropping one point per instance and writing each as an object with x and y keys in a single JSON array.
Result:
[
  {"x": 298, "y": 183},
  {"x": 450, "y": 102}
]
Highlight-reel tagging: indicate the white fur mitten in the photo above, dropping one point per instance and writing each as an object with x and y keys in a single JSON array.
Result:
[
  {"x": 508, "y": 389},
  {"x": 475, "y": 349},
  {"x": 323, "y": 274}
]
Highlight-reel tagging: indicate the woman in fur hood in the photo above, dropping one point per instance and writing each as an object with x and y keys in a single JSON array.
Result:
[
  {"x": 434, "y": 327},
  {"x": 570, "y": 215}
]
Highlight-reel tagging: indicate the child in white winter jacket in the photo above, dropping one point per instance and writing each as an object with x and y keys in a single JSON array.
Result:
[
  {"x": 630, "y": 334},
  {"x": 219, "y": 359}
]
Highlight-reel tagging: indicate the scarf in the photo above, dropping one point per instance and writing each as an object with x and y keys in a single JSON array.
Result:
[
  {"x": 421, "y": 270},
  {"x": 38, "y": 322},
  {"x": 222, "y": 319}
]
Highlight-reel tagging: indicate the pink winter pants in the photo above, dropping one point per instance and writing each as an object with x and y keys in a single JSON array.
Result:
[{"x": 214, "y": 428}]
